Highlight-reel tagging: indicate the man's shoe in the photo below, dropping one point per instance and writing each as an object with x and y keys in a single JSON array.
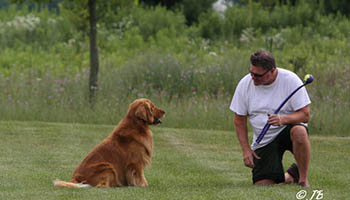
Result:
[
  {"x": 294, "y": 172},
  {"x": 303, "y": 184}
]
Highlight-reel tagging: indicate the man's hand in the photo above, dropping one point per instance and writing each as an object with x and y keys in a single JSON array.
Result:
[
  {"x": 248, "y": 158},
  {"x": 301, "y": 115},
  {"x": 240, "y": 122},
  {"x": 275, "y": 119}
]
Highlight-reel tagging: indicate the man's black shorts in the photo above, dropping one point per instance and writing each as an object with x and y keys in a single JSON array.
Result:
[{"x": 270, "y": 165}]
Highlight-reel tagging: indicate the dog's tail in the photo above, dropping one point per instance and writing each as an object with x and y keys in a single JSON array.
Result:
[{"x": 59, "y": 183}]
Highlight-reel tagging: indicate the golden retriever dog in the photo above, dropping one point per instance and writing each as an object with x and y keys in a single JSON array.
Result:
[{"x": 120, "y": 159}]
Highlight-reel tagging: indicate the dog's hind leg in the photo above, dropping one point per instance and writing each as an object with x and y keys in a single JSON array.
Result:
[
  {"x": 105, "y": 176},
  {"x": 135, "y": 176}
]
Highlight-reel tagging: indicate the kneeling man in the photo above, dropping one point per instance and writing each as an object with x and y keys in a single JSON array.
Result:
[{"x": 255, "y": 98}]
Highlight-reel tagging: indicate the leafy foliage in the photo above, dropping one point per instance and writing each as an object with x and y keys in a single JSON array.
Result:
[
  {"x": 152, "y": 52},
  {"x": 335, "y": 6}
]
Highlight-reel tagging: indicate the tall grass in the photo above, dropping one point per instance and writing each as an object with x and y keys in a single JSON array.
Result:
[
  {"x": 44, "y": 65},
  {"x": 193, "y": 97},
  {"x": 32, "y": 95}
]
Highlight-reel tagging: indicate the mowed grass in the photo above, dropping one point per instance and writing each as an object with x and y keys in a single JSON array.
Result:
[{"x": 187, "y": 164}]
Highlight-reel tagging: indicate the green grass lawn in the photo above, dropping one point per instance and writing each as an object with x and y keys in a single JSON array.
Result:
[{"x": 187, "y": 164}]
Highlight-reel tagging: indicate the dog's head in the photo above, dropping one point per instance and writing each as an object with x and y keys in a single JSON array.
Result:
[{"x": 145, "y": 111}]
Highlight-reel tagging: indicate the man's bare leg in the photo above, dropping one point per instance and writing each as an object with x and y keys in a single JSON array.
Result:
[
  {"x": 265, "y": 182},
  {"x": 288, "y": 179},
  {"x": 301, "y": 151}
]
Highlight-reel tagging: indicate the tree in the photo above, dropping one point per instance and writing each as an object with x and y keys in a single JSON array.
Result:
[
  {"x": 86, "y": 20},
  {"x": 192, "y": 9},
  {"x": 167, "y": 3},
  {"x": 334, "y": 6},
  {"x": 94, "y": 63},
  {"x": 86, "y": 14}
]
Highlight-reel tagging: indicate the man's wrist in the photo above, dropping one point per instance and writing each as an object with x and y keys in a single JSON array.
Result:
[{"x": 281, "y": 120}]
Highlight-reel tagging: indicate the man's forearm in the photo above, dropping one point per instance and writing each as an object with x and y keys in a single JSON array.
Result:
[
  {"x": 242, "y": 131},
  {"x": 301, "y": 115},
  {"x": 242, "y": 134}
]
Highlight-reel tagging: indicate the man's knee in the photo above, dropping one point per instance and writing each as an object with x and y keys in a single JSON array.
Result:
[
  {"x": 299, "y": 134},
  {"x": 265, "y": 182}
]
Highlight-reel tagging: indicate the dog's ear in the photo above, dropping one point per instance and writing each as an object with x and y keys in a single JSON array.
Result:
[{"x": 141, "y": 112}]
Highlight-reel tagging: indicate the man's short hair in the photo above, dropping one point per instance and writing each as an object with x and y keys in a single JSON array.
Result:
[{"x": 262, "y": 58}]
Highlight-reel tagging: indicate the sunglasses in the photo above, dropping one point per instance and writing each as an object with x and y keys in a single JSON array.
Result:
[{"x": 258, "y": 75}]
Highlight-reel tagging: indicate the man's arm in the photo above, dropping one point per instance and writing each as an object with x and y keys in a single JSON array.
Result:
[
  {"x": 241, "y": 128},
  {"x": 301, "y": 115}
]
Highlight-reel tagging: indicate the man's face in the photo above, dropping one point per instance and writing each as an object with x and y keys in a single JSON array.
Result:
[{"x": 261, "y": 76}]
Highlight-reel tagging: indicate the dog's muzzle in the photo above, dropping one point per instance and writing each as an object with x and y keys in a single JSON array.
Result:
[{"x": 157, "y": 121}]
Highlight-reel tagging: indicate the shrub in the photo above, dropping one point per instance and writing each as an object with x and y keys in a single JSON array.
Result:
[
  {"x": 155, "y": 55},
  {"x": 151, "y": 21},
  {"x": 40, "y": 29},
  {"x": 210, "y": 25},
  {"x": 235, "y": 21}
]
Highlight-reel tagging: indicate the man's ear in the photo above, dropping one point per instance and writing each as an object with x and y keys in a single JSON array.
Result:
[{"x": 141, "y": 112}]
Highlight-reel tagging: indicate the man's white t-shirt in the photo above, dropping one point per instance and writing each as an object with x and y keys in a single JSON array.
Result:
[{"x": 256, "y": 102}]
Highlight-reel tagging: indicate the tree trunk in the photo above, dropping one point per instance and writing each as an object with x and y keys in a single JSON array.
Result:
[{"x": 93, "y": 54}]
